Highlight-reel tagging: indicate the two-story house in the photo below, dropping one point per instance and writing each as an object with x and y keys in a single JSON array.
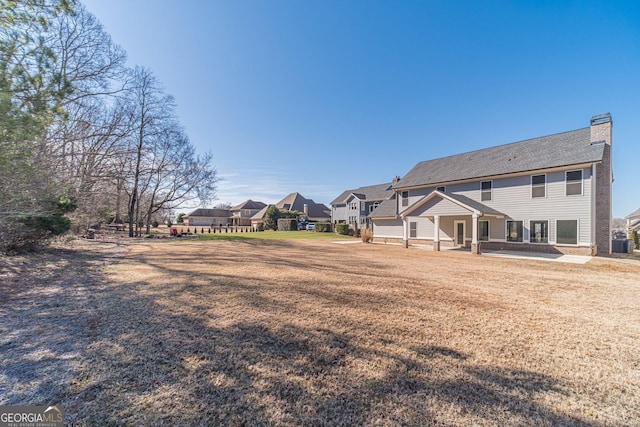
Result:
[
  {"x": 547, "y": 194},
  {"x": 354, "y": 206},
  {"x": 242, "y": 213}
]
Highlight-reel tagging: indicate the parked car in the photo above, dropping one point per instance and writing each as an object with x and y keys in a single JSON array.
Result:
[
  {"x": 311, "y": 226},
  {"x": 302, "y": 226}
]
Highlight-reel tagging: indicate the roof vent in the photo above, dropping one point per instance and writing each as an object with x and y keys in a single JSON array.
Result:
[{"x": 600, "y": 119}]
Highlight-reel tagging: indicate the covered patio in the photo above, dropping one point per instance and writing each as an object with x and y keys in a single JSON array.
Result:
[{"x": 440, "y": 208}]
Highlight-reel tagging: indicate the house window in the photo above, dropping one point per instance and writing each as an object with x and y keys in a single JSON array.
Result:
[
  {"x": 405, "y": 198},
  {"x": 567, "y": 232},
  {"x": 413, "y": 229},
  {"x": 483, "y": 230},
  {"x": 441, "y": 189},
  {"x": 363, "y": 206},
  {"x": 485, "y": 190},
  {"x": 574, "y": 182},
  {"x": 514, "y": 231},
  {"x": 373, "y": 206},
  {"x": 353, "y": 206},
  {"x": 539, "y": 232},
  {"x": 539, "y": 186}
]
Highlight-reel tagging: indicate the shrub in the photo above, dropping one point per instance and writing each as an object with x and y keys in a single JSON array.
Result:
[
  {"x": 188, "y": 230},
  {"x": 323, "y": 227},
  {"x": 342, "y": 229},
  {"x": 202, "y": 230},
  {"x": 287, "y": 224},
  {"x": 155, "y": 224},
  {"x": 169, "y": 223},
  {"x": 195, "y": 230},
  {"x": 260, "y": 227},
  {"x": 636, "y": 239},
  {"x": 366, "y": 235}
]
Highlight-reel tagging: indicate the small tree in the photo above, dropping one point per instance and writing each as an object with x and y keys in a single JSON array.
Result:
[
  {"x": 179, "y": 220},
  {"x": 271, "y": 217},
  {"x": 636, "y": 239},
  {"x": 342, "y": 229},
  {"x": 366, "y": 235}
]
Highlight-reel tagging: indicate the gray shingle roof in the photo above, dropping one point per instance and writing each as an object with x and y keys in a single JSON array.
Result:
[
  {"x": 296, "y": 202},
  {"x": 369, "y": 192},
  {"x": 386, "y": 209},
  {"x": 249, "y": 204},
  {"x": 562, "y": 149}
]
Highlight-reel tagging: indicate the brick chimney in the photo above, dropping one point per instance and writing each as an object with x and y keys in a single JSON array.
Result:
[
  {"x": 305, "y": 209},
  {"x": 395, "y": 180},
  {"x": 601, "y": 131}
]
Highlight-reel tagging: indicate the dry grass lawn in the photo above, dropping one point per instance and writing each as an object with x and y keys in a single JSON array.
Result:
[{"x": 264, "y": 332}]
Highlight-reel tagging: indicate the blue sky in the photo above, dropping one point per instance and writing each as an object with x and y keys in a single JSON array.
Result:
[{"x": 322, "y": 96}]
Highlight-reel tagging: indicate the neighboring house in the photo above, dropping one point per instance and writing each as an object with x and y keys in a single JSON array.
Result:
[
  {"x": 354, "y": 206},
  {"x": 241, "y": 214},
  {"x": 208, "y": 217},
  {"x": 549, "y": 194},
  {"x": 633, "y": 221},
  {"x": 316, "y": 212}
]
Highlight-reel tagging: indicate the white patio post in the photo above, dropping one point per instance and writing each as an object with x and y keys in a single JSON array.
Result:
[
  {"x": 405, "y": 232},
  {"x": 474, "y": 236},
  {"x": 436, "y": 233}
]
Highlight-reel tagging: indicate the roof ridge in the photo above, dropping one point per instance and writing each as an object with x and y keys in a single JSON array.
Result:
[{"x": 503, "y": 145}]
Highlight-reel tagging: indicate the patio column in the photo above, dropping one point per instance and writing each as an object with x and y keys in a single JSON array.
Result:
[
  {"x": 405, "y": 233},
  {"x": 436, "y": 233},
  {"x": 474, "y": 237}
]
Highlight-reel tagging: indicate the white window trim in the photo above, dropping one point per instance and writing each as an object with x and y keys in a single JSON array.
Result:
[
  {"x": 488, "y": 230},
  {"x": 545, "y": 186},
  {"x": 416, "y": 229},
  {"x": 402, "y": 199},
  {"x": 506, "y": 230},
  {"x": 581, "y": 182},
  {"x": 548, "y": 232},
  {"x": 572, "y": 245},
  {"x": 481, "y": 191},
  {"x": 455, "y": 231}
]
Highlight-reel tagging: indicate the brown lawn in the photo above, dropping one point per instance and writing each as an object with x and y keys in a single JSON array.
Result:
[{"x": 317, "y": 333}]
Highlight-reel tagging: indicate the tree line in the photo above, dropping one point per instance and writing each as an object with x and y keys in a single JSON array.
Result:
[{"x": 84, "y": 138}]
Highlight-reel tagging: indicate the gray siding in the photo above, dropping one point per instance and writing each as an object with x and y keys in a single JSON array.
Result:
[
  {"x": 512, "y": 197},
  {"x": 387, "y": 228},
  {"x": 339, "y": 213},
  {"x": 443, "y": 207}
]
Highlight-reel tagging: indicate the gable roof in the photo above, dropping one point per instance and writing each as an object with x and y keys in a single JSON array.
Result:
[
  {"x": 220, "y": 213},
  {"x": 296, "y": 202},
  {"x": 249, "y": 204},
  {"x": 460, "y": 200},
  {"x": 562, "y": 149},
  {"x": 369, "y": 192},
  {"x": 386, "y": 209}
]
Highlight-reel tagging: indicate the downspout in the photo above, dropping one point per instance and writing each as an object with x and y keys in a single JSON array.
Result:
[{"x": 593, "y": 219}]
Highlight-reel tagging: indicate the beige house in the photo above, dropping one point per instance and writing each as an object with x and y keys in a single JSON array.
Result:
[
  {"x": 316, "y": 212},
  {"x": 633, "y": 221},
  {"x": 208, "y": 218},
  {"x": 242, "y": 213}
]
